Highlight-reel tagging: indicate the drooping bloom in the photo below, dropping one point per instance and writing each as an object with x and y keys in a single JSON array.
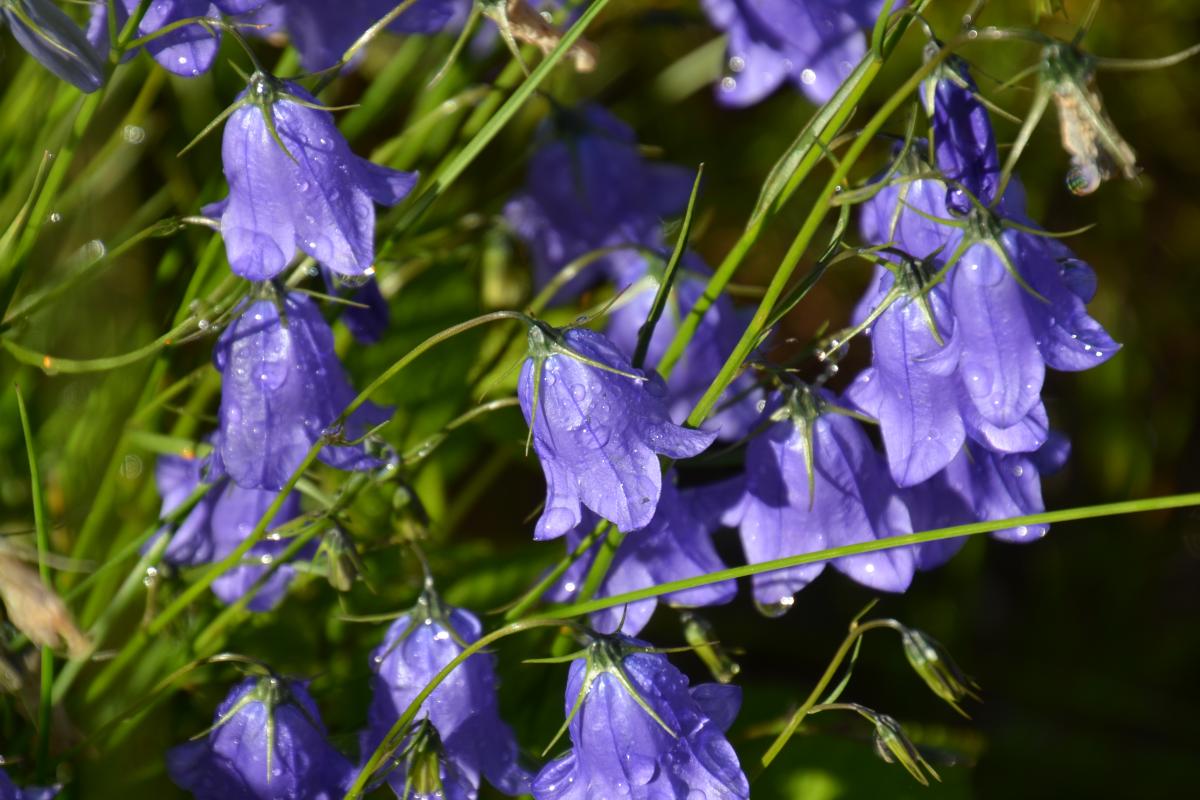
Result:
[
  {"x": 54, "y": 39},
  {"x": 267, "y": 743},
  {"x": 814, "y": 482},
  {"x": 472, "y": 740},
  {"x": 714, "y": 339},
  {"x": 598, "y": 429},
  {"x": 814, "y": 44},
  {"x": 589, "y": 188},
  {"x": 218, "y": 524},
  {"x": 322, "y": 31},
  {"x": 1006, "y": 303},
  {"x": 282, "y": 385},
  {"x": 188, "y": 51},
  {"x": 306, "y": 191},
  {"x": 670, "y": 744},
  {"x": 677, "y": 544},
  {"x": 980, "y": 485}
]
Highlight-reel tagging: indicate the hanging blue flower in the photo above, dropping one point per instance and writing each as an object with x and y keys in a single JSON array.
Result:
[
  {"x": 54, "y": 39},
  {"x": 282, "y": 385},
  {"x": 219, "y": 523},
  {"x": 814, "y": 44},
  {"x": 639, "y": 731},
  {"x": 677, "y": 544},
  {"x": 294, "y": 184},
  {"x": 598, "y": 427},
  {"x": 267, "y": 742},
  {"x": 468, "y": 740},
  {"x": 813, "y": 482}
]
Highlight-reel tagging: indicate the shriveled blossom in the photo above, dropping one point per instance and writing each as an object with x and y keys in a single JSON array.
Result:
[
  {"x": 218, "y": 524},
  {"x": 322, "y": 31},
  {"x": 639, "y": 731},
  {"x": 598, "y": 429},
  {"x": 588, "y": 188},
  {"x": 267, "y": 743},
  {"x": 304, "y": 190},
  {"x": 813, "y": 44},
  {"x": 54, "y": 39},
  {"x": 813, "y": 482},
  {"x": 282, "y": 386},
  {"x": 677, "y": 544},
  {"x": 471, "y": 742},
  {"x": 10, "y": 791},
  {"x": 188, "y": 51},
  {"x": 714, "y": 339}
]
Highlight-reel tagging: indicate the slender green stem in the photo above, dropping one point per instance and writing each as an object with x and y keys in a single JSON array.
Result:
[
  {"x": 814, "y": 697},
  {"x": 875, "y": 545},
  {"x": 46, "y": 704}
]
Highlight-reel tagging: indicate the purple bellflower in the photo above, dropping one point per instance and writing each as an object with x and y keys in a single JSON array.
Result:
[
  {"x": 1000, "y": 302},
  {"x": 814, "y": 44},
  {"x": 471, "y": 740},
  {"x": 589, "y": 188},
  {"x": 188, "y": 51},
  {"x": 218, "y": 523},
  {"x": 813, "y": 482},
  {"x": 10, "y": 791},
  {"x": 714, "y": 339},
  {"x": 282, "y": 386},
  {"x": 677, "y": 544},
  {"x": 322, "y": 31},
  {"x": 598, "y": 426},
  {"x": 980, "y": 485},
  {"x": 295, "y": 184},
  {"x": 638, "y": 731},
  {"x": 267, "y": 742},
  {"x": 53, "y": 38}
]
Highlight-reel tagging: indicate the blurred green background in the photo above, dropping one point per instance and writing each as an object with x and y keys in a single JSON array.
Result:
[{"x": 1086, "y": 643}]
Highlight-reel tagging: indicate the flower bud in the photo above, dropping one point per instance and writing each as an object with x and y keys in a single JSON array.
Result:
[
  {"x": 931, "y": 661},
  {"x": 893, "y": 746}
]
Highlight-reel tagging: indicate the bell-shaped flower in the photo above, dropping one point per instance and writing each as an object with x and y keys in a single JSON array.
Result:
[
  {"x": 714, "y": 339},
  {"x": 54, "y": 39},
  {"x": 294, "y": 184},
  {"x": 964, "y": 142},
  {"x": 814, "y": 482},
  {"x": 589, "y": 188},
  {"x": 814, "y": 44},
  {"x": 322, "y": 31},
  {"x": 267, "y": 742},
  {"x": 282, "y": 385},
  {"x": 187, "y": 51},
  {"x": 980, "y": 485},
  {"x": 639, "y": 731},
  {"x": 218, "y": 524},
  {"x": 598, "y": 427},
  {"x": 677, "y": 544},
  {"x": 471, "y": 740}
]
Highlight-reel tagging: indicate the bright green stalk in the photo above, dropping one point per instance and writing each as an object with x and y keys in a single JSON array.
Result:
[{"x": 45, "y": 704}]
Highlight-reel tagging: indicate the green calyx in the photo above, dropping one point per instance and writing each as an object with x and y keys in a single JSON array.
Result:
[{"x": 605, "y": 655}]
